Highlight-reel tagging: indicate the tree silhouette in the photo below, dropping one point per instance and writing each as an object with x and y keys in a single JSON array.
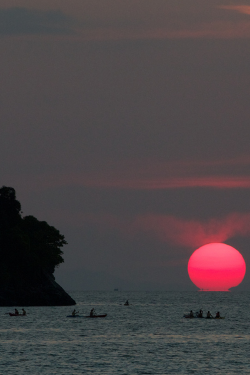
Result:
[{"x": 27, "y": 245}]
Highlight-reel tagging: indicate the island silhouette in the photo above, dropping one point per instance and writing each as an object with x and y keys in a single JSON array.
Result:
[{"x": 30, "y": 250}]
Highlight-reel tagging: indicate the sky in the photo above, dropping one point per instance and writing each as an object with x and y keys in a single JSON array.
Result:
[{"x": 125, "y": 124}]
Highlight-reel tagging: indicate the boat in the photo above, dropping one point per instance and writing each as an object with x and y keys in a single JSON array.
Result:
[
  {"x": 201, "y": 317},
  {"x": 96, "y": 316},
  {"x": 73, "y": 316},
  {"x": 13, "y": 314}
]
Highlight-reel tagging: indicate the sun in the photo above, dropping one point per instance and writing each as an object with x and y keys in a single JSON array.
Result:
[{"x": 216, "y": 267}]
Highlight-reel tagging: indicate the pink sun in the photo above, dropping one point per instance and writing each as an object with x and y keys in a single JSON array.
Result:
[{"x": 216, "y": 267}]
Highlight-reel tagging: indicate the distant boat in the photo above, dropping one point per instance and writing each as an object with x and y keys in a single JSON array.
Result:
[
  {"x": 116, "y": 290},
  {"x": 96, "y": 316}
]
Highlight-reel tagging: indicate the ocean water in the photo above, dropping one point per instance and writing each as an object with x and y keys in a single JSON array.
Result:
[{"x": 148, "y": 337}]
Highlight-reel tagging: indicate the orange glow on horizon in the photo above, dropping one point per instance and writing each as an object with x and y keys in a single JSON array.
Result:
[{"x": 216, "y": 267}]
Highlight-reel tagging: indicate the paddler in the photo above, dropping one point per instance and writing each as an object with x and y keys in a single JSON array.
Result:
[
  {"x": 74, "y": 312},
  {"x": 217, "y": 315},
  {"x": 200, "y": 314},
  {"x": 16, "y": 312},
  {"x": 24, "y": 312},
  {"x": 209, "y": 315},
  {"x": 126, "y": 303},
  {"x": 191, "y": 314},
  {"x": 92, "y": 312}
]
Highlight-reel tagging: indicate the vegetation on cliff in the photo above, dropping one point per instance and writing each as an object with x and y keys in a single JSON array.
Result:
[{"x": 29, "y": 249}]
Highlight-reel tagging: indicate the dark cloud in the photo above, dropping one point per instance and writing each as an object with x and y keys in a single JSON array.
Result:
[{"x": 24, "y": 21}]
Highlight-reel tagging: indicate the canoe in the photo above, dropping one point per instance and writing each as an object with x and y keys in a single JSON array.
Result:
[
  {"x": 12, "y": 314},
  {"x": 96, "y": 316},
  {"x": 73, "y": 316},
  {"x": 203, "y": 317}
]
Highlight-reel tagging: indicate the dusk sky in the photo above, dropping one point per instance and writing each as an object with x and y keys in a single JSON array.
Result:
[{"x": 126, "y": 125}]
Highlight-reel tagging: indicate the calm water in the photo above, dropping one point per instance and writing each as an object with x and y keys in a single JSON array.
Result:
[{"x": 148, "y": 337}]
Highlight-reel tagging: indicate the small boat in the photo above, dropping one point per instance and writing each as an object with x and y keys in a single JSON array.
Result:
[
  {"x": 201, "y": 317},
  {"x": 73, "y": 316},
  {"x": 13, "y": 314},
  {"x": 96, "y": 316}
]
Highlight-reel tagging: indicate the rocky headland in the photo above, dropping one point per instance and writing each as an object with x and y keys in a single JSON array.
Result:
[
  {"x": 41, "y": 290},
  {"x": 29, "y": 251}
]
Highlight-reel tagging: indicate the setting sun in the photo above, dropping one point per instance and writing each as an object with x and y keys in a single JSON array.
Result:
[{"x": 216, "y": 267}]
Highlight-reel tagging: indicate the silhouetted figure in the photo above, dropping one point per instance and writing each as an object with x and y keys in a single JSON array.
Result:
[
  {"x": 191, "y": 314},
  {"x": 16, "y": 312},
  {"x": 74, "y": 312},
  {"x": 200, "y": 314},
  {"x": 126, "y": 303},
  {"x": 92, "y": 312},
  {"x": 217, "y": 314},
  {"x": 209, "y": 315},
  {"x": 24, "y": 312}
]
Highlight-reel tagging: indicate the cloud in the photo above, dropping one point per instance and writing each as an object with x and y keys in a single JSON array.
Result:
[
  {"x": 147, "y": 20},
  {"x": 173, "y": 230},
  {"x": 115, "y": 22},
  {"x": 194, "y": 233},
  {"x": 244, "y": 9},
  {"x": 214, "y": 30},
  {"x": 149, "y": 175},
  {"x": 24, "y": 21},
  {"x": 216, "y": 182}
]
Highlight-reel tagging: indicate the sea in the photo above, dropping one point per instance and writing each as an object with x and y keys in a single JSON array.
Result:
[{"x": 150, "y": 336}]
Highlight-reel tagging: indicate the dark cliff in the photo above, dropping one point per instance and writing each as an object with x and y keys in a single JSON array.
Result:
[
  {"x": 29, "y": 252},
  {"x": 41, "y": 290}
]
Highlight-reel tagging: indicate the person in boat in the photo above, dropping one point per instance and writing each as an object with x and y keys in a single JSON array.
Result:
[
  {"x": 92, "y": 312},
  {"x": 191, "y": 314},
  {"x": 209, "y": 315},
  {"x": 74, "y": 312},
  {"x": 217, "y": 315},
  {"x": 24, "y": 312},
  {"x": 16, "y": 312},
  {"x": 200, "y": 314},
  {"x": 126, "y": 303}
]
